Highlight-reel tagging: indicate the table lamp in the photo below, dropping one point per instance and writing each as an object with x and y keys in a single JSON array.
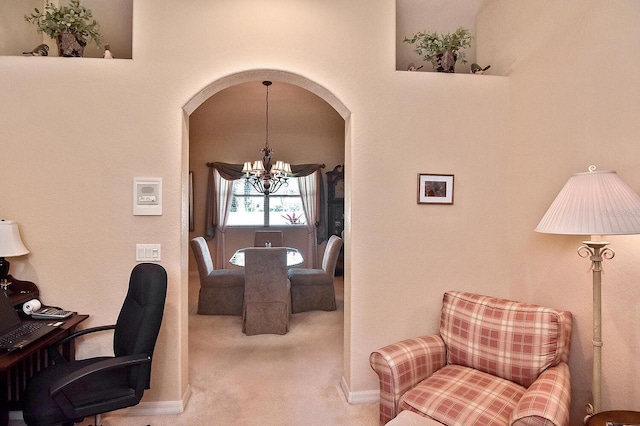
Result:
[
  {"x": 594, "y": 203},
  {"x": 10, "y": 245}
]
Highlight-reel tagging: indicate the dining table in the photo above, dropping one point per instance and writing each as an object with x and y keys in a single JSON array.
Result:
[{"x": 294, "y": 257}]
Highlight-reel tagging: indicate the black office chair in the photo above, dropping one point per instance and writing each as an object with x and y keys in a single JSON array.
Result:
[{"x": 67, "y": 392}]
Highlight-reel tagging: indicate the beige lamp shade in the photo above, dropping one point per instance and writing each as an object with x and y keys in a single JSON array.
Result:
[
  {"x": 593, "y": 203},
  {"x": 10, "y": 241}
]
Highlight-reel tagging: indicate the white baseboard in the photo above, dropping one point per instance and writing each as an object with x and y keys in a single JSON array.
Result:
[
  {"x": 157, "y": 408},
  {"x": 361, "y": 397},
  {"x": 154, "y": 408}
]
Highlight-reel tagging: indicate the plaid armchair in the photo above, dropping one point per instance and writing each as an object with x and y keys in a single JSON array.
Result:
[{"x": 495, "y": 362}]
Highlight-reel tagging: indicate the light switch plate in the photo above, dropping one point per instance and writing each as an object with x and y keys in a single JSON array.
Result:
[
  {"x": 147, "y": 196},
  {"x": 147, "y": 252}
]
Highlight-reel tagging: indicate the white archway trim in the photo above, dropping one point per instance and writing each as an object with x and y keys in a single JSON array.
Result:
[{"x": 266, "y": 74}]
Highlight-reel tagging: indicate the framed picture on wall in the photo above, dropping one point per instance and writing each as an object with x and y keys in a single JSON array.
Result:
[{"x": 435, "y": 189}]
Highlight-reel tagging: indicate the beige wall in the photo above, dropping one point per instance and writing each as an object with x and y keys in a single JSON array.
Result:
[
  {"x": 16, "y": 35},
  {"x": 75, "y": 133},
  {"x": 101, "y": 123},
  {"x": 574, "y": 92}
]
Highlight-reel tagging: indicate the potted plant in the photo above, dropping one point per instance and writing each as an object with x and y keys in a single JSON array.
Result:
[
  {"x": 443, "y": 50},
  {"x": 70, "y": 26},
  {"x": 292, "y": 219}
]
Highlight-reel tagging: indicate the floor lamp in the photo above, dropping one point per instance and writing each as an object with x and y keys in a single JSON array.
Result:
[{"x": 594, "y": 203}]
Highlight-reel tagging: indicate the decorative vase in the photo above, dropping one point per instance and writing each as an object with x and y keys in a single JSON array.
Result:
[
  {"x": 70, "y": 45},
  {"x": 444, "y": 61}
]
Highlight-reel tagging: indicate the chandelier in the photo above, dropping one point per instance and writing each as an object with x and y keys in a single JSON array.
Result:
[{"x": 261, "y": 174}]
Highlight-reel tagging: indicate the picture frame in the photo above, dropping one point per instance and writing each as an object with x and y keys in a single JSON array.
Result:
[{"x": 435, "y": 188}]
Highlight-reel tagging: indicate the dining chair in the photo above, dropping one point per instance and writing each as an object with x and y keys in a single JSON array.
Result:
[
  {"x": 312, "y": 289},
  {"x": 221, "y": 290},
  {"x": 275, "y": 238},
  {"x": 267, "y": 295}
]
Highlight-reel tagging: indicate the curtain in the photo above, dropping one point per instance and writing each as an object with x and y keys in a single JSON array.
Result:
[
  {"x": 210, "y": 206},
  {"x": 219, "y": 194},
  {"x": 305, "y": 170},
  {"x": 231, "y": 171},
  {"x": 227, "y": 170},
  {"x": 309, "y": 190}
]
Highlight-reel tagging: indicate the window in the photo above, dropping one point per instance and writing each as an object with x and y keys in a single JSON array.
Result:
[{"x": 251, "y": 208}]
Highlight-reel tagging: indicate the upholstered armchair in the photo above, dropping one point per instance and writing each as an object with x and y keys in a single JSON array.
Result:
[
  {"x": 221, "y": 290},
  {"x": 494, "y": 362},
  {"x": 312, "y": 289},
  {"x": 267, "y": 295}
]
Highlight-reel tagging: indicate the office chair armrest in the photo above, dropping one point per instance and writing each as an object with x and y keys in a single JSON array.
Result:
[
  {"x": 55, "y": 354},
  {"x": 64, "y": 400},
  {"x": 83, "y": 332}
]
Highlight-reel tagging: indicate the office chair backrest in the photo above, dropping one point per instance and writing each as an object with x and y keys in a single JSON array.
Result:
[
  {"x": 203, "y": 256},
  {"x": 140, "y": 318},
  {"x": 331, "y": 252}
]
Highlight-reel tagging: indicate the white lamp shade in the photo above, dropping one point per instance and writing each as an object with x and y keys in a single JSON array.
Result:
[
  {"x": 593, "y": 203},
  {"x": 10, "y": 241}
]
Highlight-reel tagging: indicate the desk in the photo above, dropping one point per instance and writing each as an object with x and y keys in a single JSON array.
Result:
[
  {"x": 18, "y": 366},
  {"x": 294, "y": 257},
  {"x": 622, "y": 417},
  {"x": 20, "y": 291}
]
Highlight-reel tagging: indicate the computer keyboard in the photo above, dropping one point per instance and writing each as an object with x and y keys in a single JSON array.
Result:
[
  {"x": 51, "y": 313},
  {"x": 24, "y": 329}
]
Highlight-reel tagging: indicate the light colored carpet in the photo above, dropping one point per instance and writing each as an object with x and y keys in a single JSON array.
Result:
[{"x": 235, "y": 379}]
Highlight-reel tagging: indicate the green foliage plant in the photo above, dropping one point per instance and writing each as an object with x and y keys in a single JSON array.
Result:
[
  {"x": 429, "y": 44},
  {"x": 73, "y": 18}
]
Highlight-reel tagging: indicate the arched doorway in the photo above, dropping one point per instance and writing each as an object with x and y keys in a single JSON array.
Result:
[{"x": 292, "y": 79}]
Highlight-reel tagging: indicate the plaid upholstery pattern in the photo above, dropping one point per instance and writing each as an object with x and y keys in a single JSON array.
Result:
[
  {"x": 512, "y": 340},
  {"x": 547, "y": 401},
  {"x": 401, "y": 366},
  {"x": 461, "y": 396},
  {"x": 495, "y": 362}
]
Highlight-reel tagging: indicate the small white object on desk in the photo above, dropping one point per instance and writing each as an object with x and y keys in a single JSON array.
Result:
[{"x": 31, "y": 306}]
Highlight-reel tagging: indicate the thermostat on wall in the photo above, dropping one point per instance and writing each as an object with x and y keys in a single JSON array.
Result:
[{"x": 147, "y": 196}]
